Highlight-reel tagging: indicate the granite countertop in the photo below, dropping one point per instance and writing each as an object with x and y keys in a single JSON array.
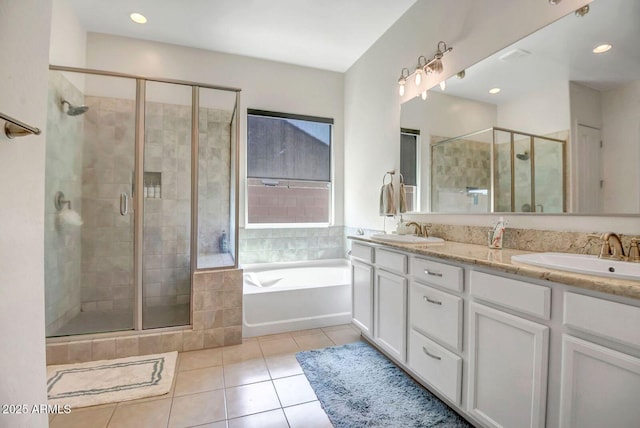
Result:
[{"x": 501, "y": 260}]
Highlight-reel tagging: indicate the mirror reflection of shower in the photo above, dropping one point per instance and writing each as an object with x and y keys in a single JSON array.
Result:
[{"x": 73, "y": 110}]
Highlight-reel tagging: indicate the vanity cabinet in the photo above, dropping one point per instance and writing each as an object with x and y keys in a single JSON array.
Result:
[
  {"x": 489, "y": 344},
  {"x": 362, "y": 297},
  {"x": 508, "y": 369},
  {"x": 600, "y": 385},
  {"x": 509, "y": 354},
  {"x": 362, "y": 278},
  {"x": 390, "y": 313}
]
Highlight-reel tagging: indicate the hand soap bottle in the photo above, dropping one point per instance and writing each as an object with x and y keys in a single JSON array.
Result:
[{"x": 496, "y": 235}]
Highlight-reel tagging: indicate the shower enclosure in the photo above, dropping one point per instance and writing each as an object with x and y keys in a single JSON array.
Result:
[
  {"x": 498, "y": 170},
  {"x": 141, "y": 190}
]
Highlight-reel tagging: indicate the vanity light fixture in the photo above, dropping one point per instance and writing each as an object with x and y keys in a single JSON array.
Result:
[
  {"x": 403, "y": 80},
  {"x": 582, "y": 11},
  {"x": 138, "y": 18},
  {"x": 422, "y": 61},
  {"x": 443, "y": 85},
  {"x": 461, "y": 74},
  {"x": 424, "y": 95},
  {"x": 494, "y": 90},
  {"x": 602, "y": 48},
  {"x": 434, "y": 65}
]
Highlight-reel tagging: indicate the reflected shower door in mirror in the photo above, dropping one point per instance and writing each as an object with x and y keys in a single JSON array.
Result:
[
  {"x": 550, "y": 84},
  {"x": 89, "y": 235}
]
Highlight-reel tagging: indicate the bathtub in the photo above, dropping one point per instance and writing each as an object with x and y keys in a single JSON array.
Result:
[{"x": 281, "y": 297}]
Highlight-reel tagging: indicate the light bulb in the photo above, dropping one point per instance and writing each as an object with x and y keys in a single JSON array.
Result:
[
  {"x": 138, "y": 18},
  {"x": 443, "y": 85},
  {"x": 401, "y": 89},
  {"x": 418, "y": 77},
  {"x": 424, "y": 94}
]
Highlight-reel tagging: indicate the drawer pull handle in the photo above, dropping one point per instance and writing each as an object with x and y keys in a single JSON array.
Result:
[
  {"x": 435, "y": 357},
  {"x": 428, "y": 272},
  {"x": 435, "y": 302}
]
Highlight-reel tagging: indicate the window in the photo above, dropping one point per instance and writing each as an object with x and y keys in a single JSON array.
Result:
[
  {"x": 288, "y": 168},
  {"x": 409, "y": 161}
]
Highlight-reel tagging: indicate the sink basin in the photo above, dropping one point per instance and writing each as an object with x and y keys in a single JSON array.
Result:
[
  {"x": 406, "y": 239},
  {"x": 581, "y": 263}
]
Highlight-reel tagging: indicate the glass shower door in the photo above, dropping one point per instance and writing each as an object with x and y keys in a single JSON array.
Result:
[
  {"x": 89, "y": 274},
  {"x": 166, "y": 264}
]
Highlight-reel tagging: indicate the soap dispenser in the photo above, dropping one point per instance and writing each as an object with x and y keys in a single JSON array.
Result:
[{"x": 496, "y": 234}]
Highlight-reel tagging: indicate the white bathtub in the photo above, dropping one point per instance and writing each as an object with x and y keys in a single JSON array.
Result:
[{"x": 295, "y": 296}]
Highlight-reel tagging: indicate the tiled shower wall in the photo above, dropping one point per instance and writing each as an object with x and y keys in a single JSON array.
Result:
[
  {"x": 107, "y": 236},
  {"x": 455, "y": 167},
  {"x": 214, "y": 171},
  {"x": 63, "y": 173},
  {"x": 549, "y": 175},
  {"x": 167, "y": 219}
]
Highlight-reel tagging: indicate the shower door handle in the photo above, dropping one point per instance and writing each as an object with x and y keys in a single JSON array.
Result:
[{"x": 124, "y": 204}]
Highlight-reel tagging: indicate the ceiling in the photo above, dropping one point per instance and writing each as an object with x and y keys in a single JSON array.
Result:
[
  {"x": 325, "y": 34},
  {"x": 562, "y": 52}
]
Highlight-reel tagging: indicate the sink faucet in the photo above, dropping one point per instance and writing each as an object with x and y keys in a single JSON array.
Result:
[
  {"x": 421, "y": 229},
  {"x": 606, "y": 251}
]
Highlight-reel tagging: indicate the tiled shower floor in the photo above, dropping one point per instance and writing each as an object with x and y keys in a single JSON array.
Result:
[{"x": 118, "y": 320}]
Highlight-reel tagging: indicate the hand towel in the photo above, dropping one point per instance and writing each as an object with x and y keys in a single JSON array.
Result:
[
  {"x": 402, "y": 199},
  {"x": 387, "y": 205}
]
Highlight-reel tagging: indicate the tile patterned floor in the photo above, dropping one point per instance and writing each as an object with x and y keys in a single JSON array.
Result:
[{"x": 256, "y": 384}]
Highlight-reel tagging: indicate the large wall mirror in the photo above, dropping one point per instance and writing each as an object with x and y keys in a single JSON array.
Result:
[{"x": 544, "y": 125}]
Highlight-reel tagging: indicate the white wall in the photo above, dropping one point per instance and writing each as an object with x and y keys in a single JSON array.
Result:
[
  {"x": 621, "y": 147},
  {"x": 372, "y": 104},
  {"x": 265, "y": 85},
  {"x": 24, "y": 41},
  {"x": 541, "y": 113},
  {"x": 68, "y": 40}
]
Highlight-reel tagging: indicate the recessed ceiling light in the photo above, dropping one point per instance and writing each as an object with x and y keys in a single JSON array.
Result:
[
  {"x": 494, "y": 90},
  {"x": 601, "y": 48},
  {"x": 138, "y": 18}
]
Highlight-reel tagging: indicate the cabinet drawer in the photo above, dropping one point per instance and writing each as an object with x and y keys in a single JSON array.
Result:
[
  {"x": 362, "y": 252},
  {"x": 436, "y": 366},
  {"x": 436, "y": 314},
  {"x": 436, "y": 273},
  {"x": 521, "y": 296},
  {"x": 611, "y": 320},
  {"x": 393, "y": 261}
]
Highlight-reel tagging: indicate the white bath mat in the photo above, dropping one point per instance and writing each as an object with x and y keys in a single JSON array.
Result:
[{"x": 110, "y": 381}]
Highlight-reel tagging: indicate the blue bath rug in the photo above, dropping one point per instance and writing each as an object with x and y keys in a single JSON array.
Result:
[{"x": 359, "y": 387}]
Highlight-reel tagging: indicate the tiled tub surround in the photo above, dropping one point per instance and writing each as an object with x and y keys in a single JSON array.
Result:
[
  {"x": 291, "y": 244},
  {"x": 217, "y": 321},
  {"x": 63, "y": 173}
]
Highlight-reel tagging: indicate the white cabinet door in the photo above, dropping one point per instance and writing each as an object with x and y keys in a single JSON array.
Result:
[
  {"x": 507, "y": 368},
  {"x": 362, "y": 299},
  {"x": 390, "y": 314},
  {"x": 600, "y": 386}
]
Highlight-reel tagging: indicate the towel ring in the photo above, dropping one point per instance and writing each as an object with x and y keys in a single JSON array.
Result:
[
  {"x": 390, "y": 174},
  {"x": 401, "y": 178}
]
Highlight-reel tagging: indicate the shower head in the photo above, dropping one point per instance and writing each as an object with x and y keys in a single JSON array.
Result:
[
  {"x": 523, "y": 156},
  {"x": 74, "y": 110}
]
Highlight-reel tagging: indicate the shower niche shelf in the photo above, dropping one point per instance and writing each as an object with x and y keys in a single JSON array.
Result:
[{"x": 152, "y": 185}]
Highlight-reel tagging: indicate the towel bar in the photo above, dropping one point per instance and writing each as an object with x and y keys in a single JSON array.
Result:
[{"x": 14, "y": 128}]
